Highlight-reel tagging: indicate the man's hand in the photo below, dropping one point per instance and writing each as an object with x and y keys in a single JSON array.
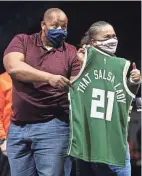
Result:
[
  {"x": 135, "y": 74},
  {"x": 3, "y": 148},
  {"x": 58, "y": 81}
]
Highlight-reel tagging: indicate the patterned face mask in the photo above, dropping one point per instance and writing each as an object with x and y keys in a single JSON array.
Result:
[{"x": 109, "y": 45}]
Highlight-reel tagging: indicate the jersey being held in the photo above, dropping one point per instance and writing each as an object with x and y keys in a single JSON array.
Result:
[{"x": 99, "y": 105}]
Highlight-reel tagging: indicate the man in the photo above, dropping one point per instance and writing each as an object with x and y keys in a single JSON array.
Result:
[
  {"x": 41, "y": 66},
  {"x": 5, "y": 113},
  {"x": 89, "y": 142}
]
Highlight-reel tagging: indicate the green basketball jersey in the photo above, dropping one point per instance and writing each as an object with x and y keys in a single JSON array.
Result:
[{"x": 99, "y": 105}]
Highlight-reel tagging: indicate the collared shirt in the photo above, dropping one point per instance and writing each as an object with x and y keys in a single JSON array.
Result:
[{"x": 40, "y": 101}]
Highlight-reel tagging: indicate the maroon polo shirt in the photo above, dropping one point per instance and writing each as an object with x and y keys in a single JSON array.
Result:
[{"x": 34, "y": 102}]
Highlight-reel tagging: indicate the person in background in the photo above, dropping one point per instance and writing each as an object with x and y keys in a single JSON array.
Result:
[
  {"x": 5, "y": 113},
  {"x": 5, "y": 107}
]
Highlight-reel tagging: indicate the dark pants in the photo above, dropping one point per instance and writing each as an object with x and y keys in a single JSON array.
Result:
[
  {"x": 99, "y": 169},
  {"x": 4, "y": 165},
  {"x": 92, "y": 169}
]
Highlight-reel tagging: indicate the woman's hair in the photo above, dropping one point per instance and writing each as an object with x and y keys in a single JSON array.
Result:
[{"x": 92, "y": 31}]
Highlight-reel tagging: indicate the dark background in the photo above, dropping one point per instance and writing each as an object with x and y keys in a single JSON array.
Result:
[{"x": 25, "y": 17}]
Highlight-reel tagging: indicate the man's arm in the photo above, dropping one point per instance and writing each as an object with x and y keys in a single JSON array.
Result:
[
  {"x": 14, "y": 63},
  {"x": 18, "y": 69}
]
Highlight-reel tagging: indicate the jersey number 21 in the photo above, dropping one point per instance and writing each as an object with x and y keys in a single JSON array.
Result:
[{"x": 95, "y": 104}]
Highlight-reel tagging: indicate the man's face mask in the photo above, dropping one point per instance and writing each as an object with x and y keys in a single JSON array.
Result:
[
  {"x": 56, "y": 37},
  {"x": 109, "y": 45}
]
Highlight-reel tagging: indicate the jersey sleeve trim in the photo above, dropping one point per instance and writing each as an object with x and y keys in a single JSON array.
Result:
[
  {"x": 125, "y": 70},
  {"x": 71, "y": 125}
]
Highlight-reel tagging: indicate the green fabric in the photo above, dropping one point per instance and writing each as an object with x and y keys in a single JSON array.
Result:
[{"x": 94, "y": 135}]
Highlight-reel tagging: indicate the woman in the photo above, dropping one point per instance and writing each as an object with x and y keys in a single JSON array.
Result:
[{"x": 102, "y": 36}]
